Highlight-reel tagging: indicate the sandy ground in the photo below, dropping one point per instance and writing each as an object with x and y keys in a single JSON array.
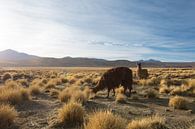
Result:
[{"x": 41, "y": 111}]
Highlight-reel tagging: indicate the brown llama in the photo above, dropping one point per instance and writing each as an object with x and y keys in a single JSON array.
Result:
[
  {"x": 114, "y": 77},
  {"x": 141, "y": 73}
]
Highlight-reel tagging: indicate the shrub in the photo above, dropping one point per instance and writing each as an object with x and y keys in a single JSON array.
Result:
[
  {"x": 13, "y": 95},
  {"x": 73, "y": 93},
  {"x": 154, "y": 122},
  {"x": 54, "y": 92},
  {"x": 7, "y": 116},
  {"x": 119, "y": 90},
  {"x": 6, "y": 76},
  {"x": 24, "y": 94},
  {"x": 71, "y": 114},
  {"x": 23, "y": 82},
  {"x": 34, "y": 90},
  {"x": 79, "y": 97},
  {"x": 87, "y": 92},
  {"x": 164, "y": 89},
  {"x": 120, "y": 98},
  {"x": 178, "y": 102},
  {"x": 105, "y": 120},
  {"x": 65, "y": 95},
  {"x": 151, "y": 93}
]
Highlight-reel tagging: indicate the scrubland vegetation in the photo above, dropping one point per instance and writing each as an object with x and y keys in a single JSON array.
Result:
[{"x": 62, "y": 98}]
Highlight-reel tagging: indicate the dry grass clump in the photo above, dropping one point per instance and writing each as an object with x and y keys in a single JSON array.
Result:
[
  {"x": 120, "y": 98},
  {"x": 64, "y": 96},
  {"x": 151, "y": 93},
  {"x": 74, "y": 93},
  {"x": 51, "y": 84},
  {"x": 6, "y": 76},
  {"x": 13, "y": 95},
  {"x": 34, "y": 90},
  {"x": 105, "y": 120},
  {"x": 87, "y": 92},
  {"x": 38, "y": 82},
  {"x": 154, "y": 122},
  {"x": 119, "y": 90},
  {"x": 71, "y": 114},
  {"x": 23, "y": 82},
  {"x": 178, "y": 102},
  {"x": 7, "y": 116},
  {"x": 54, "y": 92},
  {"x": 154, "y": 81},
  {"x": 164, "y": 89},
  {"x": 79, "y": 97},
  {"x": 11, "y": 84},
  {"x": 191, "y": 83}
]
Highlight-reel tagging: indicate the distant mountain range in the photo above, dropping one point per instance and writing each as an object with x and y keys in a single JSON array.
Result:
[{"x": 11, "y": 58}]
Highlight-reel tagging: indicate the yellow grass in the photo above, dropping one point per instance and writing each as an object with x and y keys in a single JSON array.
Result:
[
  {"x": 71, "y": 114},
  {"x": 120, "y": 98},
  {"x": 154, "y": 122},
  {"x": 13, "y": 95},
  {"x": 7, "y": 116},
  {"x": 34, "y": 90},
  {"x": 105, "y": 120},
  {"x": 178, "y": 102}
]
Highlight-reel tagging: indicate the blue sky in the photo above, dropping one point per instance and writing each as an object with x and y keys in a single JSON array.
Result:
[{"x": 109, "y": 29}]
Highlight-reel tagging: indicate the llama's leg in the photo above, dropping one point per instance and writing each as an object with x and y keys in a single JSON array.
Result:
[
  {"x": 108, "y": 93},
  {"x": 113, "y": 92},
  {"x": 125, "y": 88},
  {"x": 130, "y": 88}
]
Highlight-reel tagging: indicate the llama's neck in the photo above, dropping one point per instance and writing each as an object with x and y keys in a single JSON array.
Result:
[
  {"x": 139, "y": 67},
  {"x": 98, "y": 87}
]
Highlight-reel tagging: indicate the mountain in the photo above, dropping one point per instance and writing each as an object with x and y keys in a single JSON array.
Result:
[
  {"x": 14, "y": 55},
  {"x": 11, "y": 58},
  {"x": 149, "y": 60}
]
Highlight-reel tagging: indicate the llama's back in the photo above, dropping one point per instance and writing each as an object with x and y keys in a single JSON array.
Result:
[{"x": 117, "y": 76}]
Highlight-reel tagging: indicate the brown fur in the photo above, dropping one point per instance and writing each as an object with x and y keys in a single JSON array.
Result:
[
  {"x": 113, "y": 78},
  {"x": 142, "y": 73}
]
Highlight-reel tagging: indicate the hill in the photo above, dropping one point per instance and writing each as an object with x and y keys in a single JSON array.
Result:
[{"x": 11, "y": 58}]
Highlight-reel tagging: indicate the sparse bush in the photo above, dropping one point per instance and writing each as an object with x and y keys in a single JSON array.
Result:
[
  {"x": 73, "y": 93},
  {"x": 79, "y": 97},
  {"x": 54, "y": 92},
  {"x": 7, "y": 116},
  {"x": 65, "y": 95},
  {"x": 164, "y": 89},
  {"x": 120, "y": 98},
  {"x": 152, "y": 93},
  {"x": 23, "y": 82},
  {"x": 87, "y": 92},
  {"x": 6, "y": 76},
  {"x": 51, "y": 84},
  {"x": 34, "y": 90},
  {"x": 24, "y": 94},
  {"x": 71, "y": 114},
  {"x": 154, "y": 122},
  {"x": 178, "y": 102},
  {"x": 13, "y": 95},
  {"x": 119, "y": 90},
  {"x": 105, "y": 120}
]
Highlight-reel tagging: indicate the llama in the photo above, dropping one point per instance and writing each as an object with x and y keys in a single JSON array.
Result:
[
  {"x": 141, "y": 73},
  {"x": 114, "y": 77}
]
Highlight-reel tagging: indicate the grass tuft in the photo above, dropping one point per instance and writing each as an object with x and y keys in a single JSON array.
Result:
[{"x": 105, "y": 120}]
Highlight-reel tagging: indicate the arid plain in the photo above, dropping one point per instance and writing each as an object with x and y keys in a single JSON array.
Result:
[{"x": 55, "y": 98}]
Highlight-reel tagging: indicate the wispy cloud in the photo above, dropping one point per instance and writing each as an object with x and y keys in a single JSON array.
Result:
[{"x": 129, "y": 29}]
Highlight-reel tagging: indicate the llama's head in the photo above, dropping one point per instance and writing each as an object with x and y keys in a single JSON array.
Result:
[
  {"x": 98, "y": 87},
  {"x": 138, "y": 64}
]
